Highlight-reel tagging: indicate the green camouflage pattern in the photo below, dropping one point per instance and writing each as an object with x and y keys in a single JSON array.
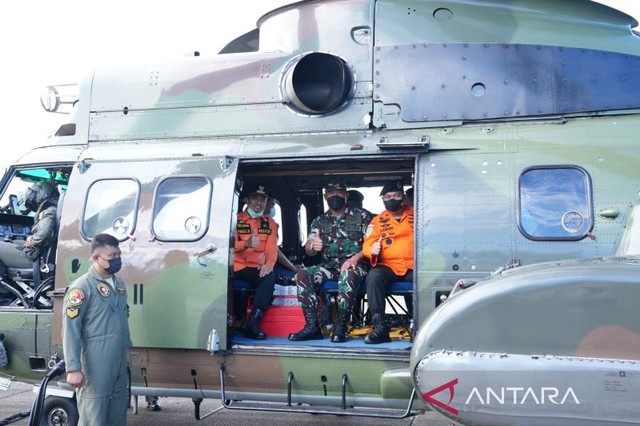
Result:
[
  {"x": 310, "y": 280},
  {"x": 219, "y": 116},
  {"x": 342, "y": 237}
]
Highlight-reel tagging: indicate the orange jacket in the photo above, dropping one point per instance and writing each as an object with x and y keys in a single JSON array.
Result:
[
  {"x": 396, "y": 239},
  {"x": 266, "y": 253}
]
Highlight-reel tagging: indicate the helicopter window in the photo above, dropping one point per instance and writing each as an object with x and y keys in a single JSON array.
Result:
[
  {"x": 18, "y": 188},
  {"x": 111, "y": 208},
  {"x": 181, "y": 208},
  {"x": 13, "y": 196},
  {"x": 372, "y": 200},
  {"x": 302, "y": 220},
  {"x": 277, "y": 216},
  {"x": 555, "y": 203}
]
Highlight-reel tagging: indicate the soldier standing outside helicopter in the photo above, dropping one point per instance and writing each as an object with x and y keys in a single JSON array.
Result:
[
  {"x": 338, "y": 235},
  {"x": 256, "y": 252},
  {"x": 95, "y": 336}
]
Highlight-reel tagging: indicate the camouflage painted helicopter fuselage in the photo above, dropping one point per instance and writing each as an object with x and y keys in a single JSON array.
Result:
[{"x": 517, "y": 122}]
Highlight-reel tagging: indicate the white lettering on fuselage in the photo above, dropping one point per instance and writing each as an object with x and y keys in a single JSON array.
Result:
[{"x": 520, "y": 396}]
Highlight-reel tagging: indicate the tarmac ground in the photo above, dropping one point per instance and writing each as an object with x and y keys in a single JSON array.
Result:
[{"x": 180, "y": 411}]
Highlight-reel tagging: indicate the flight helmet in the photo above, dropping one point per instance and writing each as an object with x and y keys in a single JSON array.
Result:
[{"x": 37, "y": 194}]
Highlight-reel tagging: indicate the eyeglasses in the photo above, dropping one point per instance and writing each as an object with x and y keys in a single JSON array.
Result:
[{"x": 392, "y": 196}]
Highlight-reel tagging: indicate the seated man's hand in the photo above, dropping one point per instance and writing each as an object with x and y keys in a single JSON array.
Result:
[
  {"x": 264, "y": 270},
  {"x": 376, "y": 247}
]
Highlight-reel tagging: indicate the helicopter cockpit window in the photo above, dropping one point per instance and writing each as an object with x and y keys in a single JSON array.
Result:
[
  {"x": 13, "y": 196},
  {"x": 12, "y": 199},
  {"x": 555, "y": 203},
  {"x": 181, "y": 208},
  {"x": 111, "y": 208}
]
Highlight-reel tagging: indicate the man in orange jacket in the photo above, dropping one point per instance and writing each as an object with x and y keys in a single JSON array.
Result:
[
  {"x": 256, "y": 251},
  {"x": 389, "y": 247}
]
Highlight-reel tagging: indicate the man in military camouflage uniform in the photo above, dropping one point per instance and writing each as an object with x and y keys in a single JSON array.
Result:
[
  {"x": 338, "y": 235},
  {"x": 95, "y": 337}
]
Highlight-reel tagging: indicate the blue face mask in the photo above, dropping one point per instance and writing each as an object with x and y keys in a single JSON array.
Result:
[
  {"x": 272, "y": 212},
  {"x": 114, "y": 265},
  {"x": 254, "y": 214}
]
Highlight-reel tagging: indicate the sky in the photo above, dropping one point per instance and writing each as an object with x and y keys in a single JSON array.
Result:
[{"x": 46, "y": 42}]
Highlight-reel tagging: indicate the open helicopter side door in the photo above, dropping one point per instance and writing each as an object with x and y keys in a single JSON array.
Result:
[{"x": 173, "y": 219}]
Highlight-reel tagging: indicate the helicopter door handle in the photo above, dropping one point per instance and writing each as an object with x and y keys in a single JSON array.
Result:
[{"x": 208, "y": 249}]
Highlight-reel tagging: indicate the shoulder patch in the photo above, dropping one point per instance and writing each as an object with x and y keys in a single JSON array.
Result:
[
  {"x": 72, "y": 312},
  {"x": 75, "y": 297},
  {"x": 369, "y": 229}
]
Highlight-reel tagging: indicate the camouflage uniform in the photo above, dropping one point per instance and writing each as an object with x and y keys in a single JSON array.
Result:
[{"x": 342, "y": 238}]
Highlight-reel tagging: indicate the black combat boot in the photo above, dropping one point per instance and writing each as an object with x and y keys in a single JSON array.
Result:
[
  {"x": 311, "y": 330},
  {"x": 340, "y": 328},
  {"x": 253, "y": 330},
  {"x": 380, "y": 333}
]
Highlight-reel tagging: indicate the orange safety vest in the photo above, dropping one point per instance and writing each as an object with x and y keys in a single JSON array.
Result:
[
  {"x": 396, "y": 240},
  {"x": 266, "y": 253}
]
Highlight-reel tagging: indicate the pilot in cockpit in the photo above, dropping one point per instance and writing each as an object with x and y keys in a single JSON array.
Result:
[{"x": 41, "y": 197}]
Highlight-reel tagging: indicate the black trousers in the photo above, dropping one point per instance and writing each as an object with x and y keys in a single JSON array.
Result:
[
  {"x": 262, "y": 286},
  {"x": 378, "y": 279}
]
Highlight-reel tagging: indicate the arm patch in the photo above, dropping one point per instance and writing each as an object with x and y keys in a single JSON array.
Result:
[{"x": 75, "y": 297}]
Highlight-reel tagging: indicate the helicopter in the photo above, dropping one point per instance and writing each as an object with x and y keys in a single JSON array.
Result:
[{"x": 516, "y": 124}]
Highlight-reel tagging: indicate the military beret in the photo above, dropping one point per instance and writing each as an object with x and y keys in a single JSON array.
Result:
[
  {"x": 335, "y": 184},
  {"x": 393, "y": 186}
]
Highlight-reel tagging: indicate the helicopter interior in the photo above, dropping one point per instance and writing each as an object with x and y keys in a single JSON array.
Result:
[
  {"x": 19, "y": 286},
  {"x": 297, "y": 187}
]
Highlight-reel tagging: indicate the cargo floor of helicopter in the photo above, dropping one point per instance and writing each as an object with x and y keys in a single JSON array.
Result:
[{"x": 400, "y": 345}]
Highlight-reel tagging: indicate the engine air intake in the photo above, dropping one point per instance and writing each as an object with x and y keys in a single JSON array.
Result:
[{"x": 317, "y": 84}]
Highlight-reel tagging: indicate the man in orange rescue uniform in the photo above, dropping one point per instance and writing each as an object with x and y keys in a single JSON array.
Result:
[
  {"x": 389, "y": 247},
  {"x": 256, "y": 251}
]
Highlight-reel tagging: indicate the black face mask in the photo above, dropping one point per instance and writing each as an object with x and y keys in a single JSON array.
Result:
[
  {"x": 336, "y": 202},
  {"x": 393, "y": 205},
  {"x": 114, "y": 265}
]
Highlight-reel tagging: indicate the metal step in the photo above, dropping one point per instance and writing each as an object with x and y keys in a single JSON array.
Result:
[
  {"x": 317, "y": 409},
  {"x": 290, "y": 407}
]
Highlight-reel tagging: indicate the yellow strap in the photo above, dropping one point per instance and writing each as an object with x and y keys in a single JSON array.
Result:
[
  {"x": 395, "y": 333},
  {"x": 359, "y": 332}
]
